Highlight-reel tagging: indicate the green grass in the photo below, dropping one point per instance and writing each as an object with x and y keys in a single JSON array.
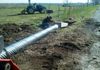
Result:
[
  {"x": 85, "y": 12},
  {"x": 79, "y": 14},
  {"x": 82, "y": 12},
  {"x": 9, "y": 14}
]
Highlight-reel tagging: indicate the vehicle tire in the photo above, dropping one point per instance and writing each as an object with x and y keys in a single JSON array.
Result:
[
  {"x": 5, "y": 66},
  {"x": 43, "y": 11},
  {"x": 30, "y": 10}
]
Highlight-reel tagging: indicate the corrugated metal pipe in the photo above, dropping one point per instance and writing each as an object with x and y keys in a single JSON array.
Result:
[{"x": 20, "y": 45}]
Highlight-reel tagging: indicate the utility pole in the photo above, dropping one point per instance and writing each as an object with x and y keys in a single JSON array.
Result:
[
  {"x": 29, "y": 1},
  {"x": 87, "y": 2}
]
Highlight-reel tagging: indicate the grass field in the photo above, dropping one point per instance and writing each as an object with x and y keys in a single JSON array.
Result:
[{"x": 8, "y": 14}]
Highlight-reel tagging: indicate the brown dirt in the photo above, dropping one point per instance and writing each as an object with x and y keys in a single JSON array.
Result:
[
  {"x": 13, "y": 32},
  {"x": 58, "y": 51}
]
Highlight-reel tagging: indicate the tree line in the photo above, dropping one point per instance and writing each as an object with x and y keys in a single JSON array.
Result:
[{"x": 95, "y": 2}]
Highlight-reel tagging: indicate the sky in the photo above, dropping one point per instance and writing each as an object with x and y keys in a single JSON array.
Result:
[{"x": 41, "y": 1}]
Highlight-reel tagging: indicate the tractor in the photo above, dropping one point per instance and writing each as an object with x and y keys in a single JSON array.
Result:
[{"x": 32, "y": 8}]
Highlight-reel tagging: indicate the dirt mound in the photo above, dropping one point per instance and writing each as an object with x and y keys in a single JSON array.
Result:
[
  {"x": 13, "y": 31},
  {"x": 60, "y": 50}
]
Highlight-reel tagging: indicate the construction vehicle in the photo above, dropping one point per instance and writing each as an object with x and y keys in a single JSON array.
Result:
[
  {"x": 32, "y": 8},
  {"x": 8, "y": 51}
]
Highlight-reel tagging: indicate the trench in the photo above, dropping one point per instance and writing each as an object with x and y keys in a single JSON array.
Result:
[
  {"x": 68, "y": 51},
  {"x": 91, "y": 60}
]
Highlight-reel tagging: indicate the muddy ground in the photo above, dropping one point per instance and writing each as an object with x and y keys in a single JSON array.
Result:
[
  {"x": 72, "y": 48},
  {"x": 60, "y": 50}
]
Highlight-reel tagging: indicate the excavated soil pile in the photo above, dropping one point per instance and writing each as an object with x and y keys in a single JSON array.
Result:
[
  {"x": 60, "y": 50},
  {"x": 13, "y": 32}
]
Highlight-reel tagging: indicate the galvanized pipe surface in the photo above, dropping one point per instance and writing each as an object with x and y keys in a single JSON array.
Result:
[{"x": 20, "y": 45}]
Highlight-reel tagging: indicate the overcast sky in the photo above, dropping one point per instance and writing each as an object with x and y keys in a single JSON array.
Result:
[{"x": 39, "y": 1}]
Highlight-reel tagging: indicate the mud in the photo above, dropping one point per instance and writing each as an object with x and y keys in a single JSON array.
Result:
[
  {"x": 13, "y": 32},
  {"x": 60, "y": 50}
]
